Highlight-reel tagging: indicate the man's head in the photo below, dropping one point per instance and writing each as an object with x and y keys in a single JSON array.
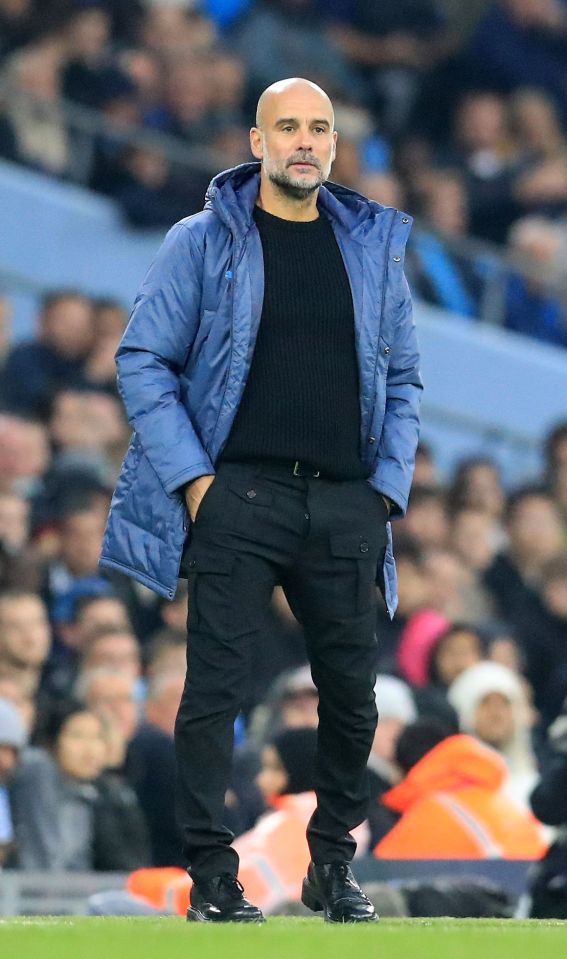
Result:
[
  {"x": 164, "y": 695},
  {"x": 112, "y": 696},
  {"x": 534, "y": 526},
  {"x": 66, "y": 323},
  {"x": 25, "y": 636},
  {"x": 115, "y": 649},
  {"x": 294, "y": 137}
]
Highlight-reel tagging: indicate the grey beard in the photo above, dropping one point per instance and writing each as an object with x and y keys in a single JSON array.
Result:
[{"x": 295, "y": 191}]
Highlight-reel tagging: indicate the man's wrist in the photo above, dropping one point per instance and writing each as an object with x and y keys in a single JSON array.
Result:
[{"x": 389, "y": 503}]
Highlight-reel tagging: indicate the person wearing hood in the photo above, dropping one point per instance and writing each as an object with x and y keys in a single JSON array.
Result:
[
  {"x": 270, "y": 372},
  {"x": 452, "y": 804},
  {"x": 491, "y": 703}
]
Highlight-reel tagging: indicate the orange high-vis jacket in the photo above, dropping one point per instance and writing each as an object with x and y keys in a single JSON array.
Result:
[{"x": 454, "y": 806}]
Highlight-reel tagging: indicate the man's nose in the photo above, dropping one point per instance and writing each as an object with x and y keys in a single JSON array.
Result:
[{"x": 305, "y": 140}]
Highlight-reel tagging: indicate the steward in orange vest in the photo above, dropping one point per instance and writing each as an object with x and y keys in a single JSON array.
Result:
[{"x": 453, "y": 806}]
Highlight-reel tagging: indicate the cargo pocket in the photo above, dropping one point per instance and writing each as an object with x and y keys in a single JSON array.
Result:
[
  {"x": 210, "y": 590},
  {"x": 357, "y": 576}
]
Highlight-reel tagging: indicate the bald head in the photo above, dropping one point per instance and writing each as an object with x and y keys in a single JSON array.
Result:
[
  {"x": 279, "y": 92},
  {"x": 294, "y": 139}
]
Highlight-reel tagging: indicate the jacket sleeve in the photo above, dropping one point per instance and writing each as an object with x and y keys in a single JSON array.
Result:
[
  {"x": 393, "y": 473},
  {"x": 153, "y": 352}
]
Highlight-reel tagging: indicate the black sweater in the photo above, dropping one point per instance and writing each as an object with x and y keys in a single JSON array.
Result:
[{"x": 301, "y": 400}]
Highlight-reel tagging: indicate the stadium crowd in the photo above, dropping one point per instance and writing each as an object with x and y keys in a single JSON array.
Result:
[
  {"x": 473, "y": 669},
  {"x": 456, "y": 112}
]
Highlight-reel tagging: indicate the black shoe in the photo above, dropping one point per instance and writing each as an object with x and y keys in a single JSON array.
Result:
[
  {"x": 333, "y": 889},
  {"x": 221, "y": 899}
]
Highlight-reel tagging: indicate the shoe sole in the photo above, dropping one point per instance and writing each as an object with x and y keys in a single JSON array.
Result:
[
  {"x": 310, "y": 899},
  {"x": 194, "y": 915}
]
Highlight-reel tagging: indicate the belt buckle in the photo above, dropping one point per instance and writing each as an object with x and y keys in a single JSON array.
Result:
[{"x": 295, "y": 473}]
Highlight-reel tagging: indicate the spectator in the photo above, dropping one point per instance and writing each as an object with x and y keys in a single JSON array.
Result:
[
  {"x": 492, "y": 704},
  {"x": 166, "y": 653},
  {"x": 113, "y": 649},
  {"x": 426, "y": 519},
  {"x": 440, "y": 272},
  {"x": 486, "y": 156},
  {"x": 520, "y": 43},
  {"x": 13, "y": 738},
  {"x": 69, "y": 814},
  {"x": 393, "y": 44},
  {"x": 534, "y": 530},
  {"x": 541, "y": 186},
  {"x": 112, "y": 697},
  {"x": 305, "y": 50},
  {"x": 36, "y": 369},
  {"x": 109, "y": 322},
  {"x": 25, "y": 637},
  {"x": 91, "y": 613},
  {"x": 90, "y": 67},
  {"x": 290, "y": 703},
  {"x": 425, "y": 473},
  {"x": 531, "y": 306},
  {"x": 475, "y": 536},
  {"x": 452, "y": 804},
  {"x": 477, "y": 484},
  {"x": 34, "y": 110},
  {"x": 24, "y": 454},
  {"x": 457, "y": 649},
  {"x": 74, "y": 570},
  {"x": 455, "y": 591}
]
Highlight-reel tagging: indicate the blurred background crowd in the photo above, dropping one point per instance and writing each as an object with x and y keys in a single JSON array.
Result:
[{"x": 456, "y": 112}]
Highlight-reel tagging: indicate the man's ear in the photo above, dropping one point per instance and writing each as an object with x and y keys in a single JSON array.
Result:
[
  {"x": 335, "y": 135},
  {"x": 256, "y": 143}
]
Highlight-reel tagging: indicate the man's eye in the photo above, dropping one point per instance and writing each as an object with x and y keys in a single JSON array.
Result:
[
  {"x": 319, "y": 129},
  {"x": 285, "y": 129}
]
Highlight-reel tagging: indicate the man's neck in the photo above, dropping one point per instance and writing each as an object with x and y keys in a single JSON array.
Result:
[{"x": 274, "y": 201}]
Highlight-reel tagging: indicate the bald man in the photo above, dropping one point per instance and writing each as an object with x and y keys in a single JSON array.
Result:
[{"x": 270, "y": 372}]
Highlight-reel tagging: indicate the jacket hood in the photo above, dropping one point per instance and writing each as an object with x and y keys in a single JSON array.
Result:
[
  {"x": 232, "y": 195},
  {"x": 452, "y": 765}
]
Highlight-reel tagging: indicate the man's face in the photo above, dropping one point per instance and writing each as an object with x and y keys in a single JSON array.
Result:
[
  {"x": 24, "y": 630},
  {"x": 296, "y": 141},
  {"x": 81, "y": 541},
  {"x": 67, "y": 326}
]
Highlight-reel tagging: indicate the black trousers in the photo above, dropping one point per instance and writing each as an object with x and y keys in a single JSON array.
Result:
[{"x": 258, "y": 525}]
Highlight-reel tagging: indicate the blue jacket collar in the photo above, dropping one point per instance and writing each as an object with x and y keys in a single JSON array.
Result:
[{"x": 232, "y": 195}]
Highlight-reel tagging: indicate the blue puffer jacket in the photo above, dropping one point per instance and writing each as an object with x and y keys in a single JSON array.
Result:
[{"x": 185, "y": 356}]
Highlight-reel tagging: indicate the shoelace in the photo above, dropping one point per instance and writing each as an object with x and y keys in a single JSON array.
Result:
[
  {"x": 232, "y": 885},
  {"x": 343, "y": 873}
]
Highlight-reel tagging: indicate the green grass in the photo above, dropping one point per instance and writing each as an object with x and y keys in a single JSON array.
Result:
[{"x": 95, "y": 938}]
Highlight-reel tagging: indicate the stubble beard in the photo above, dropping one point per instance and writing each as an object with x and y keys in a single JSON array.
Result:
[{"x": 295, "y": 189}]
